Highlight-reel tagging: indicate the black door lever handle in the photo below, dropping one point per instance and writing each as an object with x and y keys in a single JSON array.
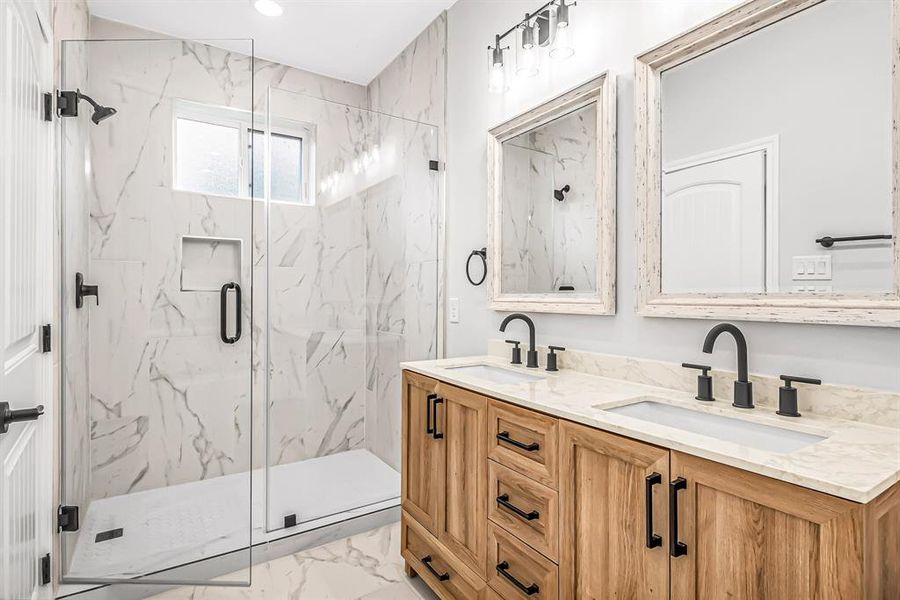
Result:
[
  {"x": 82, "y": 290},
  {"x": 8, "y": 416}
]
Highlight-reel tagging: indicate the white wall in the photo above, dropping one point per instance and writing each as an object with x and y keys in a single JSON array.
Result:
[{"x": 610, "y": 34}]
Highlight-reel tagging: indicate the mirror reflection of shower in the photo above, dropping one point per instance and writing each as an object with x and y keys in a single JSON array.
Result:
[{"x": 67, "y": 105}]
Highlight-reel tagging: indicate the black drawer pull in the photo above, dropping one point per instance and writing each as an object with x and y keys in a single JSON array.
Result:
[
  {"x": 653, "y": 540},
  {"x": 503, "y": 500},
  {"x": 503, "y": 436},
  {"x": 429, "y": 428},
  {"x": 426, "y": 560},
  {"x": 676, "y": 548},
  {"x": 528, "y": 590},
  {"x": 434, "y": 404}
]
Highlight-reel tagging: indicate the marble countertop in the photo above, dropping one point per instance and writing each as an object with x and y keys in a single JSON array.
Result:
[{"x": 857, "y": 461}]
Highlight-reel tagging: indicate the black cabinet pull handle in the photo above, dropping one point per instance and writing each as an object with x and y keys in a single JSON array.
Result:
[
  {"x": 528, "y": 590},
  {"x": 653, "y": 540},
  {"x": 223, "y": 313},
  {"x": 676, "y": 548},
  {"x": 503, "y": 436},
  {"x": 503, "y": 500},
  {"x": 429, "y": 428},
  {"x": 426, "y": 560},
  {"x": 434, "y": 404}
]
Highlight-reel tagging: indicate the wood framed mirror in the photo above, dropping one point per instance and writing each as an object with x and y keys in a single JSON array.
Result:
[
  {"x": 768, "y": 166},
  {"x": 552, "y": 190}
]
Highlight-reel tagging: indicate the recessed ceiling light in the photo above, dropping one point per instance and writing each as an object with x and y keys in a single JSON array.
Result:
[{"x": 269, "y": 8}]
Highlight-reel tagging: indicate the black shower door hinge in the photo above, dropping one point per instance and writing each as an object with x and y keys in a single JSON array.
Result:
[
  {"x": 45, "y": 569},
  {"x": 48, "y": 106},
  {"x": 434, "y": 165},
  {"x": 67, "y": 518},
  {"x": 46, "y": 338}
]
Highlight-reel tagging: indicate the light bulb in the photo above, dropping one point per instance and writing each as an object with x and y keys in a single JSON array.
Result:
[{"x": 269, "y": 8}]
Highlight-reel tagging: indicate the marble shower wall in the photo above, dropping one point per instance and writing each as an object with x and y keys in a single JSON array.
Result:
[
  {"x": 403, "y": 232},
  {"x": 169, "y": 402},
  {"x": 551, "y": 243},
  {"x": 71, "y": 20}
]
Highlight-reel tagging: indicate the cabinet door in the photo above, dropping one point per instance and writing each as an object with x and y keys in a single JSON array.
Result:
[
  {"x": 420, "y": 477},
  {"x": 751, "y": 537},
  {"x": 612, "y": 500},
  {"x": 462, "y": 520}
]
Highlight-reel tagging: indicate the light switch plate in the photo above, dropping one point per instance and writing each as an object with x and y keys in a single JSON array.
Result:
[
  {"x": 812, "y": 268},
  {"x": 453, "y": 310}
]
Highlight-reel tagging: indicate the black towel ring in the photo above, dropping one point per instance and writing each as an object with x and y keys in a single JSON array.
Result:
[{"x": 483, "y": 255}]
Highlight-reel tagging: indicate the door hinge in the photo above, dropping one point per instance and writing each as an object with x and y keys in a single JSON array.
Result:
[
  {"x": 45, "y": 569},
  {"x": 48, "y": 106},
  {"x": 434, "y": 165},
  {"x": 46, "y": 338},
  {"x": 67, "y": 518}
]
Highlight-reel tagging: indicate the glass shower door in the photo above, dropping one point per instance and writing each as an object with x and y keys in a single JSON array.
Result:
[
  {"x": 352, "y": 290},
  {"x": 156, "y": 279}
]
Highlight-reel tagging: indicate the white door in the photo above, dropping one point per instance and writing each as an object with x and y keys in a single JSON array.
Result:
[
  {"x": 25, "y": 270},
  {"x": 714, "y": 226}
]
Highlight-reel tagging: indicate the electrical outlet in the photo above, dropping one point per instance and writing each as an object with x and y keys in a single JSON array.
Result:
[
  {"x": 812, "y": 268},
  {"x": 453, "y": 310}
]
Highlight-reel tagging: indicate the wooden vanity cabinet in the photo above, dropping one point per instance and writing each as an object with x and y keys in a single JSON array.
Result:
[
  {"x": 444, "y": 473},
  {"x": 589, "y": 515},
  {"x": 613, "y": 516},
  {"x": 420, "y": 452},
  {"x": 750, "y": 537}
]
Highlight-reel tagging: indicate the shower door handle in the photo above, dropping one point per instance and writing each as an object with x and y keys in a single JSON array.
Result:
[{"x": 223, "y": 313}]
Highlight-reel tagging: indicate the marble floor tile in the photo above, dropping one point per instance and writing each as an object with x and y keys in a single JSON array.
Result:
[{"x": 365, "y": 566}]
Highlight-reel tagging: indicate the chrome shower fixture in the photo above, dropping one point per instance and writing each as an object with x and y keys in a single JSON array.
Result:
[{"x": 67, "y": 106}]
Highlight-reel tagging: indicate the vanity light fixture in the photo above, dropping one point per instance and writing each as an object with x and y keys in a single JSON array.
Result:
[
  {"x": 269, "y": 8},
  {"x": 526, "y": 50},
  {"x": 497, "y": 68},
  {"x": 563, "y": 45},
  {"x": 550, "y": 26}
]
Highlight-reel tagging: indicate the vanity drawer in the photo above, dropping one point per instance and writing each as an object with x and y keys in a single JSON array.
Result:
[
  {"x": 524, "y": 441},
  {"x": 445, "y": 574},
  {"x": 525, "y": 508},
  {"x": 516, "y": 571}
]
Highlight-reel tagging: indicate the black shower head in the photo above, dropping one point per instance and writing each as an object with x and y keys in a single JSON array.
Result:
[
  {"x": 67, "y": 104},
  {"x": 102, "y": 112}
]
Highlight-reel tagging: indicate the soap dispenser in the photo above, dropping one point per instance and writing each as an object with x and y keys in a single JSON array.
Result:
[
  {"x": 787, "y": 395},
  {"x": 704, "y": 382}
]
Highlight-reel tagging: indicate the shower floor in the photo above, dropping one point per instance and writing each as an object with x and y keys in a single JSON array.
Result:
[{"x": 167, "y": 527}]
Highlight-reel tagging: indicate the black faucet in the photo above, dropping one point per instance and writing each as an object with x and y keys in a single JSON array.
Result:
[
  {"x": 743, "y": 389},
  {"x": 531, "y": 361}
]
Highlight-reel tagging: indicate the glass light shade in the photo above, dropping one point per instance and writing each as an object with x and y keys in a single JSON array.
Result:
[
  {"x": 497, "y": 83},
  {"x": 526, "y": 60},
  {"x": 269, "y": 8},
  {"x": 564, "y": 44}
]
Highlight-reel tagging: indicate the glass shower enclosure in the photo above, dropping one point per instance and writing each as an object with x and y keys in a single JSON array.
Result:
[{"x": 242, "y": 269}]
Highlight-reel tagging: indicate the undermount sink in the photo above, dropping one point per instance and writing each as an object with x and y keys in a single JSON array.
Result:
[
  {"x": 495, "y": 374},
  {"x": 745, "y": 433}
]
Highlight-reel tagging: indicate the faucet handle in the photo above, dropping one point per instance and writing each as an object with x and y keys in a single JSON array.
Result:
[
  {"x": 787, "y": 395},
  {"x": 551, "y": 357},
  {"x": 704, "y": 382},
  {"x": 516, "y": 352},
  {"x": 788, "y": 379}
]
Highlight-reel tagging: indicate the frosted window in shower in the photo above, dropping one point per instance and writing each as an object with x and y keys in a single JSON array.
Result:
[
  {"x": 287, "y": 167},
  {"x": 207, "y": 158}
]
